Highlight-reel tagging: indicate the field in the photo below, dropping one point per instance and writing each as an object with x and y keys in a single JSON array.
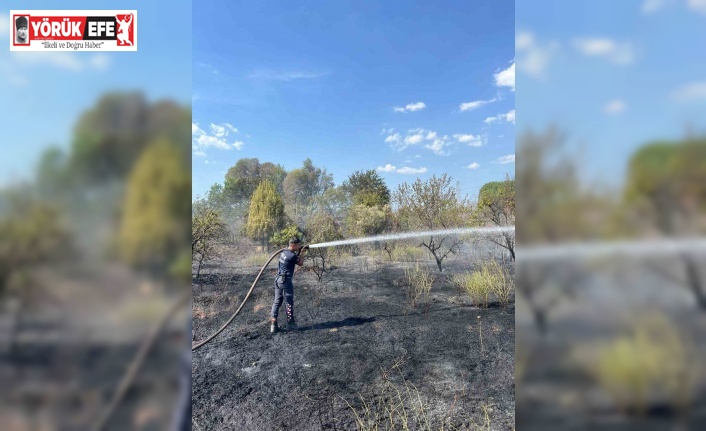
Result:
[
  {"x": 62, "y": 358},
  {"x": 363, "y": 356},
  {"x": 623, "y": 348}
]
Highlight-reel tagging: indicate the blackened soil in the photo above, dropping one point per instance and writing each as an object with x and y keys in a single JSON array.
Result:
[
  {"x": 358, "y": 342},
  {"x": 66, "y": 386}
]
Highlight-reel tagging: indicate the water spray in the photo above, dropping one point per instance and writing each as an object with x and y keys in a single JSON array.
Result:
[
  {"x": 406, "y": 235},
  {"x": 637, "y": 248}
]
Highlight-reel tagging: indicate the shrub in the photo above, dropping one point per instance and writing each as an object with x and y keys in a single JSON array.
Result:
[
  {"x": 652, "y": 361},
  {"x": 419, "y": 281},
  {"x": 479, "y": 285}
]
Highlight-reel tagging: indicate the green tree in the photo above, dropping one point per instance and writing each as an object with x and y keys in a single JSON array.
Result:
[
  {"x": 153, "y": 227},
  {"x": 301, "y": 188},
  {"x": 246, "y": 175},
  {"x": 112, "y": 135},
  {"x": 367, "y": 188},
  {"x": 322, "y": 227},
  {"x": 281, "y": 238},
  {"x": 553, "y": 205},
  {"x": 667, "y": 186},
  {"x": 32, "y": 234},
  {"x": 667, "y": 183},
  {"x": 335, "y": 202},
  {"x": 433, "y": 205},
  {"x": 368, "y": 220},
  {"x": 207, "y": 228},
  {"x": 266, "y": 216},
  {"x": 496, "y": 206}
]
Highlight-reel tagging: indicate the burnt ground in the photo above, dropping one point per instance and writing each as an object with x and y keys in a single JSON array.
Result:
[
  {"x": 358, "y": 343},
  {"x": 556, "y": 393},
  {"x": 75, "y": 343}
]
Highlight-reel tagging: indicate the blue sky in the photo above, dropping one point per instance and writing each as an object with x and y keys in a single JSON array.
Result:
[
  {"x": 44, "y": 93},
  {"x": 410, "y": 88},
  {"x": 614, "y": 75}
]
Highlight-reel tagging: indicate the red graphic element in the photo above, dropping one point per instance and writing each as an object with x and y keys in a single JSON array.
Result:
[
  {"x": 125, "y": 29},
  {"x": 52, "y": 28}
]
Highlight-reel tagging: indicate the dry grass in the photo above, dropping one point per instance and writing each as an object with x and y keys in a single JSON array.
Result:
[
  {"x": 491, "y": 279},
  {"x": 402, "y": 407},
  {"x": 418, "y": 280},
  {"x": 255, "y": 259},
  {"x": 408, "y": 253},
  {"x": 652, "y": 363}
]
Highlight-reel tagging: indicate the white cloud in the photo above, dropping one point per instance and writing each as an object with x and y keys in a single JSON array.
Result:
[
  {"x": 387, "y": 168},
  {"x": 414, "y": 139},
  {"x": 615, "y": 107},
  {"x": 509, "y": 117},
  {"x": 393, "y": 138},
  {"x": 697, "y": 6},
  {"x": 510, "y": 158},
  {"x": 201, "y": 140},
  {"x": 617, "y": 52},
  {"x": 411, "y": 107},
  {"x": 690, "y": 92},
  {"x": 221, "y": 130},
  {"x": 415, "y": 106},
  {"x": 471, "y": 140},
  {"x": 434, "y": 142},
  {"x": 506, "y": 78},
  {"x": 417, "y": 156},
  {"x": 473, "y": 165},
  {"x": 475, "y": 104},
  {"x": 407, "y": 170},
  {"x": 438, "y": 146},
  {"x": 286, "y": 76},
  {"x": 533, "y": 58}
]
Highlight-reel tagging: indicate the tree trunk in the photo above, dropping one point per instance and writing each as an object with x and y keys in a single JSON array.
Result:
[
  {"x": 694, "y": 281},
  {"x": 438, "y": 263}
]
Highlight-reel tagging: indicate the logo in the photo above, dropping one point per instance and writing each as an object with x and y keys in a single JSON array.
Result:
[{"x": 73, "y": 30}]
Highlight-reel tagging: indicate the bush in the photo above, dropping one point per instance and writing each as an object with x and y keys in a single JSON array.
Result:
[
  {"x": 419, "y": 281},
  {"x": 479, "y": 285},
  {"x": 652, "y": 361}
]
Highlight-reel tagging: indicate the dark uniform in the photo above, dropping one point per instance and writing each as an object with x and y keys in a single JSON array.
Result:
[{"x": 284, "y": 289}]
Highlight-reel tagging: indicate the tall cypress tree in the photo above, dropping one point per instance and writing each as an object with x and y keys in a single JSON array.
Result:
[{"x": 266, "y": 216}]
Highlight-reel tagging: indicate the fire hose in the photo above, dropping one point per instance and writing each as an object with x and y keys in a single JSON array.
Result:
[{"x": 242, "y": 304}]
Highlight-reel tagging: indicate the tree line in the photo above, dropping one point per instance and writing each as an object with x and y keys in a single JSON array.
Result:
[{"x": 267, "y": 204}]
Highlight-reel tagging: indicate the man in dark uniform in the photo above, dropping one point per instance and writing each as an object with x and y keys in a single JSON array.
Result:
[{"x": 284, "y": 289}]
